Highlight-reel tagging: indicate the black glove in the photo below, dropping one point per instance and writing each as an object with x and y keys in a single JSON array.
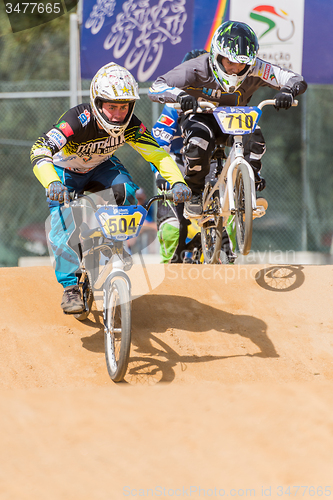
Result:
[
  {"x": 283, "y": 99},
  {"x": 187, "y": 102},
  {"x": 259, "y": 181},
  {"x": 58, "y": 192},
  {"x": 161, "y": 183}
]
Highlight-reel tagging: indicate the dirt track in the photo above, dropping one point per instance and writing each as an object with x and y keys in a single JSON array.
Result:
[{"x": 247, "y": 356}]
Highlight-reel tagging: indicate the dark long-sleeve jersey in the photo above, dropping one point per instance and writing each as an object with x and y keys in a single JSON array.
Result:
[
  {"x": 196, "y": 78},
  {"x": 76, "y": 143}
]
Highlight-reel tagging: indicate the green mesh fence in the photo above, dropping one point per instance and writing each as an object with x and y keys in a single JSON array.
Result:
[
  {"x": 23, "y": 207},
  {"x": 297, "y": 167}
]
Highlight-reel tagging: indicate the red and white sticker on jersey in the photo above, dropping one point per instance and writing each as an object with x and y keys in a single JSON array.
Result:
[
  {"x": 65, "y": 128},
  {"x": 267, "y": 71},
  {"x": 166, "y": 120},
  {"x": 42, "y": 152},
  {"x": 140, "y": 131}
]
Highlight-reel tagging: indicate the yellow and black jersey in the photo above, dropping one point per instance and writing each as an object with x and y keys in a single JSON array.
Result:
[{"x": 76, "y": 143}]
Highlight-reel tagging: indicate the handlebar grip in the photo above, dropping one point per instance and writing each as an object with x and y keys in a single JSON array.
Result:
[
  {"x": 272, "y": 102},
  {"x": 71, "y": 197},
  {"x": 176, "y": 105},
  {"x": 168, "y": 195}
]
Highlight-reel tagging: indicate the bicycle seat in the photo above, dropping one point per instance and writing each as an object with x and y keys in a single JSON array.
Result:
[
  {"x": 86, "y": 233},
  {"x": 219, "y": 151}
]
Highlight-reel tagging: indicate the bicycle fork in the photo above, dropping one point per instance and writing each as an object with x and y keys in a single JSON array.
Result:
[
  {"x": 226, "y": 180},
  {"x": 237, "y": 157}
]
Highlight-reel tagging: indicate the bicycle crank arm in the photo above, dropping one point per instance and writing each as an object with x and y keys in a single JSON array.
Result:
[{"x": 202, "y": 221}]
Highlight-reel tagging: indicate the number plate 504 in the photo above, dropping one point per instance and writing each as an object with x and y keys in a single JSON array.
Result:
[{"x": 122, "y": 227}]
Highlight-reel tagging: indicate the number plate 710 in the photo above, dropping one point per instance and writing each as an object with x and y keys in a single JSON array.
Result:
[{"x": 237, "y": 121}]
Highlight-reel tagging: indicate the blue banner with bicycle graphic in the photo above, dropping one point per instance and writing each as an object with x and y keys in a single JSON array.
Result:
[{"x": 150, "y": 37}]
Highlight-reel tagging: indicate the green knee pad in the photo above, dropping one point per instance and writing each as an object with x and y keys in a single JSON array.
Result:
[
  {"x": 168, "y": 235},
  {"x": 231, "y": 230}
]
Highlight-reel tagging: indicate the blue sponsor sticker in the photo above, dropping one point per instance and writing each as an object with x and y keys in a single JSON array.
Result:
[
  {"x": 84, "y": 117},
  {"x": 57, "y": 137}
]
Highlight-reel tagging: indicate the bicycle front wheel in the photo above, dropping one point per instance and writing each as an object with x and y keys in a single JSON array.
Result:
[
  {"x": 243, "y": 206},
  {"x": 117, "y": 332},
  {"x": 211, "y": 232}
]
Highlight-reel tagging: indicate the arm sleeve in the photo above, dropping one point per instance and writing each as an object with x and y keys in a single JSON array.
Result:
[
  {"x": 48, "y": 144},
  {"x": 41, "y": 157},
  {"x": 166, "y": 88},
  {"x": 276, "y": 77}
]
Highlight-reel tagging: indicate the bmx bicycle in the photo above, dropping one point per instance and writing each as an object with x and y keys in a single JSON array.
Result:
[
  {"x": 105, "y": 243},
  {"x": 232, "y": 191}
]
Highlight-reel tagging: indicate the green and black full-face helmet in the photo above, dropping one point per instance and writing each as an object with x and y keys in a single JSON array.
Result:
[{"x": 237, "y": 42}]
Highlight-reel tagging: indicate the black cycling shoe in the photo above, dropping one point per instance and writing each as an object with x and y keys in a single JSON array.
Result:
[
  {"x": 193, "y": 208},
  {"x": 72, "y": 302}
]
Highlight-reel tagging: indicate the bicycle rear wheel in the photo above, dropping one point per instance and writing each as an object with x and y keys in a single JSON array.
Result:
[
  {"x": 88, "y": 299},
  {"x": 211, "y": 232},
  {"x": 243, "y": 206},
  {"x": 117, "y": 332}
]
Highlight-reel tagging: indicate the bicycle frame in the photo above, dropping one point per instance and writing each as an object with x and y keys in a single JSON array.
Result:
[
  {"x": 226, "y": 179},
  {"x": 114, "y": 267},
  {"x": 106, "y": 216},
  {"x": 115, "y": 225}
]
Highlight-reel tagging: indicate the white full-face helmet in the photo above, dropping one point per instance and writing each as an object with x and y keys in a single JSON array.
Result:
[
  {"x": 113, "y": 83},
  {"x": 237, "y": 42}
]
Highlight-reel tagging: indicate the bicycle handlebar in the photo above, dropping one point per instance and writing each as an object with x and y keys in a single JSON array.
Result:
[
  {"x": 75, "y": 196},
  {"x": 166, "y": 195},
  {"x": 202, "y": 105},
  {"x": 272, "y": 102}
]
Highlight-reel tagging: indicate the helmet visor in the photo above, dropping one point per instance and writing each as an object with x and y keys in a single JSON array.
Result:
[{"x": 241, "y": 49}]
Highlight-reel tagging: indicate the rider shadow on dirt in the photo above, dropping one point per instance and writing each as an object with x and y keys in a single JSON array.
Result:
[
  {"x": 153, "y": 357},
  {"x": 280, "y": 278}
]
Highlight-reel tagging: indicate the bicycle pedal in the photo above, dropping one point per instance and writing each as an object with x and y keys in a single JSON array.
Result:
[
  {"x": 128, "y": 265},
  {"x": 188, "y": 216},
  {"x": 208, "y": 224},
  {"x": 261, "y": 208},
  {"x": 261, "y": 202},
  {"x": 258, "y": 212}
]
